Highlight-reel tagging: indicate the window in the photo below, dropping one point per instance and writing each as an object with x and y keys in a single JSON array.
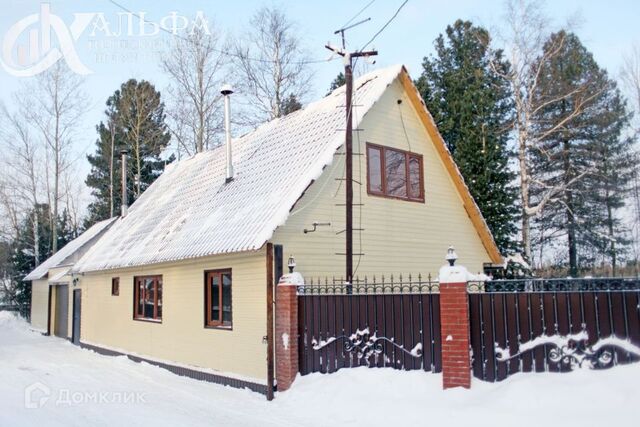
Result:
[
  {"x": 147, "y": 298},
  {"x": 217, "y": 297},
  {"x": 115, "y": 286},
  {"x": 394, "y": 173}
]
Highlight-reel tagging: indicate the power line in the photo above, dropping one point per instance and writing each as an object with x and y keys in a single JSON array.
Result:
[
  {"x": 223, "y": 52},
  {"x": 384, "y": 26},
  {"x": 358, "y": 14}
]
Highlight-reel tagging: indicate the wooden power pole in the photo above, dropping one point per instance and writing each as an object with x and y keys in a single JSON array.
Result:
[{"x": 348, "y": 76}]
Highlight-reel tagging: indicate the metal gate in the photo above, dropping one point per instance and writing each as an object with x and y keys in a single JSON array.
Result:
[
  {"x": 373, "y": 323},
  {"x": 61, "y": 327}
]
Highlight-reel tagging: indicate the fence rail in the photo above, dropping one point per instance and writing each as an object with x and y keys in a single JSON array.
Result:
[
  {"x": 386, "y": 322},
  {"x": 555, "y": 285}
]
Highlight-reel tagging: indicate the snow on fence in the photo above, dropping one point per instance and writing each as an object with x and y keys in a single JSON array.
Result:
[
  {"x": 556, "y": 325},
  {"x": 386, "y": 322}
]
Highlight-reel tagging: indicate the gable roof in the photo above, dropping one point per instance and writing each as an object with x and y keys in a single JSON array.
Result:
[
  {"x": 190, "y": 212},
  {"x": 58, "y": 259}
]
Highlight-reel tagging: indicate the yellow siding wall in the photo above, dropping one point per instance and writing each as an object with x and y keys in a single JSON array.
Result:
[
  {"x": 399, "y": 236},
  {"x": 181, "y": 337},
  {"x": 39, "y": 304}
]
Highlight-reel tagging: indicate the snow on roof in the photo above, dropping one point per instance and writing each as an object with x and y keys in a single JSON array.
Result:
[
  {"x": 190, "y": 212},
  {"x": 69, "y": 249}
]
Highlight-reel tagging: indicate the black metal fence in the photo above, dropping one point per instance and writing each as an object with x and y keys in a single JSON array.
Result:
[
  {"x": 385, "y": 322},
  {"x": 538, "y": 325}
]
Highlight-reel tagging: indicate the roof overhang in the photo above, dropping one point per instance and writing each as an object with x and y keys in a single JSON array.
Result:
[{"x": 60, "y": 278}]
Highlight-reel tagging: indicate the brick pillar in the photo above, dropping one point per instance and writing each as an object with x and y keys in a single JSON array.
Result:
[
  {"x": 454, "y": 327},
  {"x": 286, "y": 339}
]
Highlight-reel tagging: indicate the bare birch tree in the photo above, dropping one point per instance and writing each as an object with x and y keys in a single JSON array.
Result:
[
  {"x": 195, "y": 66},
  {"x": 525, "y": 38},
  {"x": 630, "y": 76},
  {"x": 271, "y": 65},
  {"x": 54, "y": 103},
  {"x": 22, "y": 183}
]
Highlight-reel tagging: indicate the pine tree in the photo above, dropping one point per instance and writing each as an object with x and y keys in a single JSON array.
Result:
[
  {"x": 472, "y": 109},
  {"x": 289, "y": 105},
  {"x": 337, "y": 82},
  {"x": 23, "y": 258},
  {"x": 135, "y": 122},
  {"x": 586, "y": 155}
]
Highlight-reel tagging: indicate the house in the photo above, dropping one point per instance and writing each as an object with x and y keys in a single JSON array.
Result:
[
  {"x": 186, "y": 278},
  {"x": 50, "y": 296}
]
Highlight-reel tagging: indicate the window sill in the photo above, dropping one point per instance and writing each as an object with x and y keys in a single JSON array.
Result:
[
  {"x": 142, "y": 319},
  {"x": 404, "y": 199},
  {"x": 222, "y": 328}
]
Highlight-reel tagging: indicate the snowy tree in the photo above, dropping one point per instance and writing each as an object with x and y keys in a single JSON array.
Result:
[
  {"x": 195, "y": 66},
  {"x": 588, "y": 146},
  {"x": 271, "y": 65},
  {"x": 472, "y": 107}
]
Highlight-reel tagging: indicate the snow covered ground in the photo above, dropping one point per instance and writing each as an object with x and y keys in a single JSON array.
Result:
[{"x": 105, "y": 391}]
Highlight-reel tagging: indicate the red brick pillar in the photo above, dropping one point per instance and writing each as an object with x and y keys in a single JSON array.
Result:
[
  {"x": 454, "y": 327},
  {"x": 286, "y": 339}
]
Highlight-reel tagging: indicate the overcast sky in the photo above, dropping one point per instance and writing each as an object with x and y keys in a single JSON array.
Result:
[{"x": 607, "y": 28}]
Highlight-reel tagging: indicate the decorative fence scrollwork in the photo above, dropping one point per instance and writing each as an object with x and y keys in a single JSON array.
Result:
[
  {"x": 555, "y": 325},
  {"x": 377, "y": 322},
  {"x": 573, "y": 351},
  {"x": 364, "y": 345}
]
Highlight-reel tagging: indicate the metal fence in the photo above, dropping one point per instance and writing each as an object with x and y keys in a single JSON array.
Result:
[
  {"x": 538, "y": 325},
  {"x": 381, "y": 322}
]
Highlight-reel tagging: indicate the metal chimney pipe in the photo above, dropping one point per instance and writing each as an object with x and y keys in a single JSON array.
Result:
[
  {"x": 226, "y": 91},
  {"x": 124, "y": 207}
]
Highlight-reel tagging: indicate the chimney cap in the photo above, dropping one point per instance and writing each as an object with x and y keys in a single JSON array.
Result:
[{"x": 226, "y": 89}]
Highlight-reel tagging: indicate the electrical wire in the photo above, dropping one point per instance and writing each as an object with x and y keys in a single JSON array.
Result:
[
  {"x": 384, "y": 26},
  {"x": 358, "y": 14},
  {"x": 220, "y": 51}
]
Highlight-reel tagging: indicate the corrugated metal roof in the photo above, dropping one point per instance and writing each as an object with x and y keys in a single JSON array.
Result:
[
  {"x": 69, "y": 249},
  {"x": 189, "y": 211}
]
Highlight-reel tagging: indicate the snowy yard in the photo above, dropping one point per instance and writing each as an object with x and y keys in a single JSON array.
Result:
[{"x": 149, "y": 395}]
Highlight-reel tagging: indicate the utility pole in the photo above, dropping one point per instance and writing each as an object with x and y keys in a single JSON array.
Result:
[{"x": 348, "y": 76}]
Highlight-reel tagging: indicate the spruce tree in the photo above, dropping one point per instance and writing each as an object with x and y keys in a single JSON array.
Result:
[
  {"x": 472, "y": 108},
  {"x": 135, "y": 121},
  {"x": 337, "y": 82},
  {"x": 585, "y": 155},
  {"x": 289, "y": 105},
  {"x": 22, "y": 256}
]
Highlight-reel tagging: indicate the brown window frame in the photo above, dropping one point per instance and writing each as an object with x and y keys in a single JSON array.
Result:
[
  {"x": 115, "y": 286},
  {"x": 383, "y": 173},
  {"x": 158, "y": 283},
  {"x": 208, "y": 322}
]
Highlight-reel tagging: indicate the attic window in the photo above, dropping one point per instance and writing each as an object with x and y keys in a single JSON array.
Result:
[{"x": 394, "y": 173}]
